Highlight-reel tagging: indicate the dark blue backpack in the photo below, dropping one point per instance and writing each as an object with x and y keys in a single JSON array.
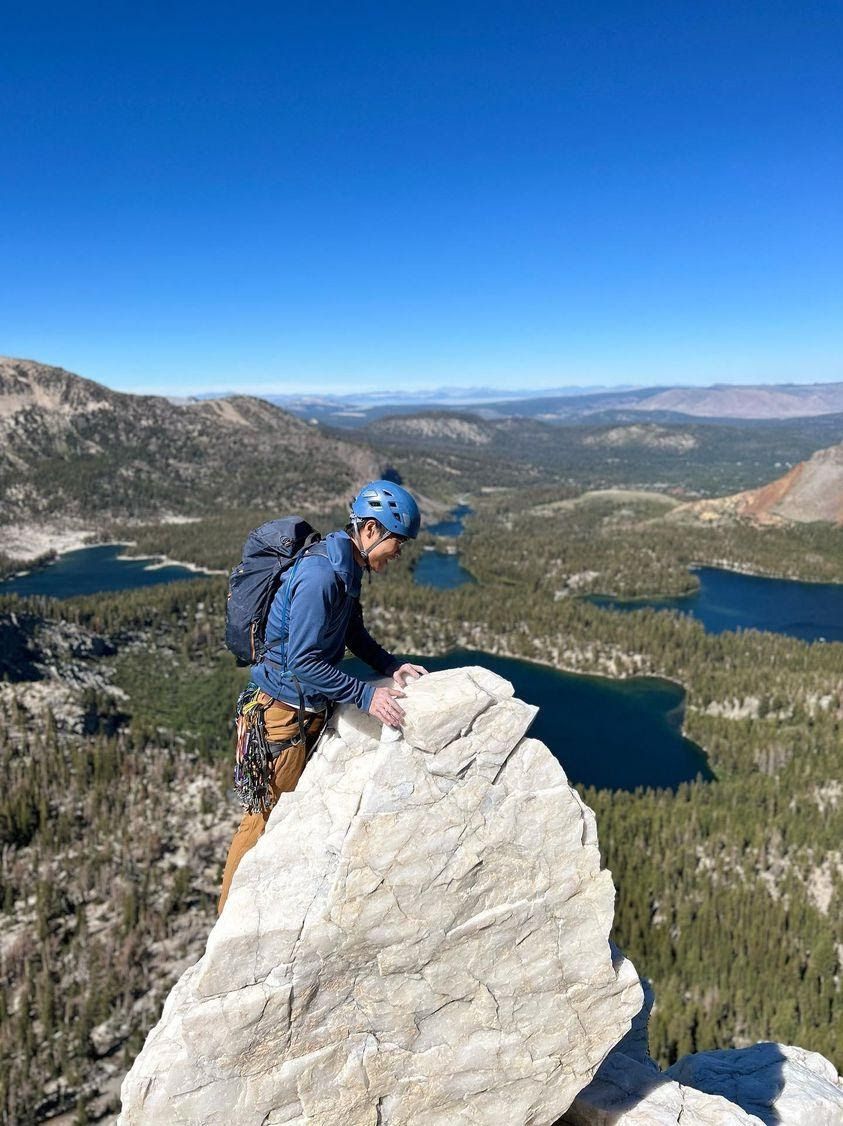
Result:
[{"x": 269, "y": 551}]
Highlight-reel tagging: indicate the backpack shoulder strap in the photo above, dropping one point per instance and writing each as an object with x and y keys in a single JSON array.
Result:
[
  {"x": 315, "y": 547},
  {"x": 318, "y": 547}
]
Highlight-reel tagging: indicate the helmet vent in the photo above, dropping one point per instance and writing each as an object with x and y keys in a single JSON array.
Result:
[{"x": 391, "y": 505}]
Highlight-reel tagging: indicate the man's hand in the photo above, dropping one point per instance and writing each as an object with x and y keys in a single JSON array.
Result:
[
  {"x": 408, "y": 671},
  {"x": 384, "y": 707}
]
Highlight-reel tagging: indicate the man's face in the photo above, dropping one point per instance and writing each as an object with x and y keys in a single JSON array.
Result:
[{"x": 388, "y": 549}]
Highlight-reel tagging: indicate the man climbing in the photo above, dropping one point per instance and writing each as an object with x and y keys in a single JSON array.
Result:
[{"x": 314, "y": 616}]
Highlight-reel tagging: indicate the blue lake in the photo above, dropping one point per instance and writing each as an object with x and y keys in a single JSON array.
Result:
[
  {"x": 728, "y": 600},
  {"x": 453, "y": 526},
  {"x": 435, "y": 568},
  {"x": 442, "y": 569},
  {"x": 607, "y": 733},
  {"x": 613, "y": 734},
  {"x": 91, "y": 570}
]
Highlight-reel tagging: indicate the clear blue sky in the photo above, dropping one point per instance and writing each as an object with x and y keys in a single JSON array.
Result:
[{"x": 354, "y": 196}]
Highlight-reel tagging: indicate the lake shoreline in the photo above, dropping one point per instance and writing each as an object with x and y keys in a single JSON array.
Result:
[
  {"x": 649, "y": 681},
  {"x": 686, "y": 690},
  {"x": 746, "y": 569},
  {"x": 97, "y": 569},
  {"x": 729, "y": 600},
  {"x": 720, "y": 565},
  {"x": 162, "y": 560},
  {"x": 81, "y": 541}
]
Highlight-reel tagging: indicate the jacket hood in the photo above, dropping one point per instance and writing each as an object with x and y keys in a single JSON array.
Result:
[{"x": 341, "y": 557}]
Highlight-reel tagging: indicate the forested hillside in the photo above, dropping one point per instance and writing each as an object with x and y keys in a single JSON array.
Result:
[
  {"x": 115, "y": 722},
  {"x": 441, "y": 450},
  {"x": 77, "y": 457},
  {"x": 73, "y": 451},
  {"x": 116, "y": 750}
]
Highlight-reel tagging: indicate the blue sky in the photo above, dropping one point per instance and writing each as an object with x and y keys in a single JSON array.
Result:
[{"x": 354, "y": 196}]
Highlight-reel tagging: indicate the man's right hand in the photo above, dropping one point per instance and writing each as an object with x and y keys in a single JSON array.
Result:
[{"x": 384, "y": 707}]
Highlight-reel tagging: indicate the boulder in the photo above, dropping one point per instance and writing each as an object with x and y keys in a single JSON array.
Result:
[
  {"x": 420, "y": 936},
  {"x": 765, "y": 1084},
  {"x": 778, "y": 1083},
  {"x": 632, "y": 1092}
]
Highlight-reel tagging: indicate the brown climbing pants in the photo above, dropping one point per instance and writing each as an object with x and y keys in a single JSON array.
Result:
[{"x": 281, "y": 724}]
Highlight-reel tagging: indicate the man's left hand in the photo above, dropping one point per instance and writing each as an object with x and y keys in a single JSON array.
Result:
[{"x": 407, "y": 672}]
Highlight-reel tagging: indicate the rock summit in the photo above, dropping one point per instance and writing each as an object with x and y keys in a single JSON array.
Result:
[{"x": 421, "y": 936}]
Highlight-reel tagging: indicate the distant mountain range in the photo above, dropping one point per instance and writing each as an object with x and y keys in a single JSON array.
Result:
[
  {"x": 75, "y": 454},
  {"x": 435, "y": 397},
  {"x": 461, "y": 451},
  {"x": 719, "y": 402},
  {"x": 722, "y": 401}
]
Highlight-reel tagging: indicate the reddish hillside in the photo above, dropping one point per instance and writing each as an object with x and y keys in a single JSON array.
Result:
[{"x": 810, "y": 491}]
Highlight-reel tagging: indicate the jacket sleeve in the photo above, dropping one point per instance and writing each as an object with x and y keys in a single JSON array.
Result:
[
  {"x": 363, "y": 645},
  {"x": 313, "y": 598}
]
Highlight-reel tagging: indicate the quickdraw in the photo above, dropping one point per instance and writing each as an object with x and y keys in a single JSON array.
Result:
[{"x": 252, "y": 760}]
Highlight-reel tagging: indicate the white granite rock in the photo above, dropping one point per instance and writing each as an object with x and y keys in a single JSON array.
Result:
[
  {"x": 420, "y": 936},
  {"x": 633, "y": 1092},
  {"x": 780, "y": 1084},
  {"x": 630, "y": 1090},
  {"x": 766, "y": 1084}
]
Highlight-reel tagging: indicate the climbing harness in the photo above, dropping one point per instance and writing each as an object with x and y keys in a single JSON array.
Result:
[{"x": 256, "y": 753}]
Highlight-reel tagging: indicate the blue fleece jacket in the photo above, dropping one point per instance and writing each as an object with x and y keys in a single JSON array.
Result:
[{"x": 315, "y": 615}]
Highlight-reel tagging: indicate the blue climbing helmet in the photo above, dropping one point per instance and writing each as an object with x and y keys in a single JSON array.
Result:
[{"x": 393, "y": 508}]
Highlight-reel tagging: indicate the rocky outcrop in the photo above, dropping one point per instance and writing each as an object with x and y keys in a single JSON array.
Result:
[
  {"x": 631, "y": 1092},
  {"x": 777, "y": 1082},
  {"x": 420, "y": 936},
  {"x": 648, "y": 435},
  {"x": 438, "y": 425},
  {"x": 763, "y": 1085}
]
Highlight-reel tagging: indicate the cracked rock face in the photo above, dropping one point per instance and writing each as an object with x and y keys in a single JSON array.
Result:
[{"x": 420, "y": 936}]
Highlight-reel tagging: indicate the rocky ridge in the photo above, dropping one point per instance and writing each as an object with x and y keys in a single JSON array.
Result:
[
  {"x": 450, "y": 427},
  {"x": 648, "y": 434},
  {"x": 74, "y": 453},
  {"x": 422, "y": 936},
  {"x": 810, "y": 491}
]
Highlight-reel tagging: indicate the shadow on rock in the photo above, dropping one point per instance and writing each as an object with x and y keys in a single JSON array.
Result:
[
  {"x": 778, "y": 1083},
  {"x": 763, "y": 1085}
]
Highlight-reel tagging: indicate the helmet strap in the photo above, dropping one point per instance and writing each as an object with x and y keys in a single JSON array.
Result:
[{"x": 364, "y": 551}]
